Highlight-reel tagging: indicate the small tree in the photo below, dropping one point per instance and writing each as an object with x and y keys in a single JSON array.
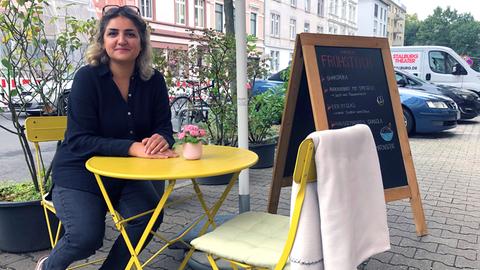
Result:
[
  {"x": 210, "y": 60},
  {"x": 46, "y": 60}
]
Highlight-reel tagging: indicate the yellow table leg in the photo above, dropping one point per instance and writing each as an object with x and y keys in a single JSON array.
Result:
[
  {"x": 153, "y": 219},
  {"x": 209, "y": 212},
  {"x": 116, "y": 220},
  {"x": 121, "y": 227}
]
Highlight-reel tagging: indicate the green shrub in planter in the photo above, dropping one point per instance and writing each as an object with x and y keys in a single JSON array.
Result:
[
  {"x": 264, "y": 113},
  {"x": 18, "y": 192}
]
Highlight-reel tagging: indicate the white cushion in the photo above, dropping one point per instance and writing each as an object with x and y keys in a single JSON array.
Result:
[{"x": 253, "y": 238}]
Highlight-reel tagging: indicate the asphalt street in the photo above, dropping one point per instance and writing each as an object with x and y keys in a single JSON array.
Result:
[{"x": 13, "y": 166}]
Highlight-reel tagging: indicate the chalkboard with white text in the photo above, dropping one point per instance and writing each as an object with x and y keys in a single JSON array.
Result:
[{"x": 355, "y": 91}]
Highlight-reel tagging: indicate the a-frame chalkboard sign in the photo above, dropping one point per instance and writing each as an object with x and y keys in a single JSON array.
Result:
[{"x": 339, "y": 81}]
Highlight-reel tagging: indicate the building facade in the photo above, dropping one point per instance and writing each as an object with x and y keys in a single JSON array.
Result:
[
  {"x": 284, "y": 19},
  {"x": 342, "y": 17},
  {"x": 374, "y": 18},
  {"x": 172, "y": 21},
  {"x": 396, "y": 23}
]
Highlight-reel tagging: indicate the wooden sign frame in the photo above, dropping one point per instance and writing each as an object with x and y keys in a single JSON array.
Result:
[{"x": 305, "y": 63}]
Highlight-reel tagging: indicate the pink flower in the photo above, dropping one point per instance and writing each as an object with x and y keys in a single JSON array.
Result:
[
  {"x": 191, "y": 134},
  {"x": 194, "y": 132}
]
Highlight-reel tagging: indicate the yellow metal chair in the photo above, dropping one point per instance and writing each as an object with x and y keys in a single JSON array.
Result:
[
  {"x": 40, "y": 130},
  {"x": 270, "y": 237}
]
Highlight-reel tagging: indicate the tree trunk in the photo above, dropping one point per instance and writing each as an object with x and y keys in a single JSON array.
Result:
[
  {"x": 229, "y": 17},
  {"x": 230, "y": 31}
]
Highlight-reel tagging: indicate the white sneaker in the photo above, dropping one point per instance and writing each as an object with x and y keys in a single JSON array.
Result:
[{"x": 41, "y": 262}]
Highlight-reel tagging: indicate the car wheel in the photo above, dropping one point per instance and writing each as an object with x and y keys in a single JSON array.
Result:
[{"x": 408, "y": 119}]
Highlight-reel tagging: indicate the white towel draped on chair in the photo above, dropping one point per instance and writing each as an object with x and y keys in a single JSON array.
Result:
[
  {"x": 351, "y": 203},
  {"x": 307, "y": 249}
]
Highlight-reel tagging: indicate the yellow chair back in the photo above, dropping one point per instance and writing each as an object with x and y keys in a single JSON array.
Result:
[{"x": 45, "y": 129}]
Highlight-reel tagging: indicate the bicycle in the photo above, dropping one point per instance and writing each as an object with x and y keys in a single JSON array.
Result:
[{"x": 191, "y": 108}]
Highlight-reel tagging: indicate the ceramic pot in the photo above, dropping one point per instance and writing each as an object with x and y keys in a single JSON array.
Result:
[{"x": 192, "y": 151}]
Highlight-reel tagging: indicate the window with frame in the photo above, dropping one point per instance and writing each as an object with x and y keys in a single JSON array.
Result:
[
  {"x": 253, "y": 24},
  {"x": 275, "y": 25},
  {"x": 293, "y": 3},
  {"x": 441, "y": 62},
  {"x": 375, "y": 11},
  {"x": 344, "y": 9},
  {"x": 293, "y": 28},
  {"x": 146, "y": 8},
  {"x": 319, "y": 29},
  {"x": 353, "y": 10},
  {"x": 335, "y": 8},
  {"x": 180, "y": 10},
  {"x": 320, "y": 8},
  {"x": 306, "y": 27},
  {"x": 200, "y": 13},
  {"x": 274, "y": 60},
  {"x": 219, "y": 17},
  {"x": 330, "y": 7},
  {"x": 307, "y": 5}
]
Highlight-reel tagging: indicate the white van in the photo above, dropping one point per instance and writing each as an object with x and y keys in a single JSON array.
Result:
[{"x": 436, "y": 64}]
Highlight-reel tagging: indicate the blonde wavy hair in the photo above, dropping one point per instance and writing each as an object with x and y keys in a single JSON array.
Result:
[{"x": 96, "y": 53}]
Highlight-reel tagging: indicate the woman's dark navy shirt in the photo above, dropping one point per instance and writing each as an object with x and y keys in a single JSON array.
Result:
[{"x": 101, "y": 123}]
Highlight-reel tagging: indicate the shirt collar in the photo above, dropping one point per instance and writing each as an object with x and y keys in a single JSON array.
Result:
[{"x": 103, "y": 70}]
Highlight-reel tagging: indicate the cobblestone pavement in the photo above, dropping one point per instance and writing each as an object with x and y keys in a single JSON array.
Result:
[{"x": 448, "y": 172}]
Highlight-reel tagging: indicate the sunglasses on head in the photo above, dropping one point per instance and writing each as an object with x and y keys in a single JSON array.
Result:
[{"x": 115, "y": 8}]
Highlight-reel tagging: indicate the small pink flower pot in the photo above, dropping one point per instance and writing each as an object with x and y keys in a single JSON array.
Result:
[{"x": 192, "y": 151}]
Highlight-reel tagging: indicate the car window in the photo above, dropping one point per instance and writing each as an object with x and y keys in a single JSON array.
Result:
[
  {"x": 412, "y": 82},
  {"x": 398, "y": 77},
  {"x": 441, "y": 62}
]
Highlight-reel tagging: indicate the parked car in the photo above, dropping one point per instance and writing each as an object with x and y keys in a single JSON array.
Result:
[
  {"x": 468, "y": 102},
  {"x": 27, "y": 101},
  {"x": 422, "y": 112},
  {"x": 31, "y": 103},
  {"x": 427, "y": 113},
  {"x": 436, "y": 64}
]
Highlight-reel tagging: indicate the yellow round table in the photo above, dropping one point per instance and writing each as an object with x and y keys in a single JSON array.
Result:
[{"x": 216, "y": 160}]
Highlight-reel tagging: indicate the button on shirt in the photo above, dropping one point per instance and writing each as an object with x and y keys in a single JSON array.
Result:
[{"x": 101, "y": 123}]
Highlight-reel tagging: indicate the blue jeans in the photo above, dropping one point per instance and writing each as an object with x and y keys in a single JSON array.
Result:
[{"x": 83, "y": 218}]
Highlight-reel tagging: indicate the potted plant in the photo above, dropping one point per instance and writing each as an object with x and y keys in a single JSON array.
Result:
[
  {"x": 264, "y": 115},
  {"x": 192, "y": 139},
  {"x": 37, "y": 65}
]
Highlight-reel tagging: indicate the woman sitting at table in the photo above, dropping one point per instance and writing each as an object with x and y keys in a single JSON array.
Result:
[{"x": 118, "y": 106}]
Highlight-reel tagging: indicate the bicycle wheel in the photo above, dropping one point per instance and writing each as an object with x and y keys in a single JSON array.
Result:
[
  {"x": 201, "y": 111},
  {"x": 62, "y": 104},
  {"x": 180, "y": 109}
]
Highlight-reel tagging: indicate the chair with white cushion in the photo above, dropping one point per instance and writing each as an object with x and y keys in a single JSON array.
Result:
[
  {"x": 256, "y": 239},
  {"x": 338, "y": 217}
]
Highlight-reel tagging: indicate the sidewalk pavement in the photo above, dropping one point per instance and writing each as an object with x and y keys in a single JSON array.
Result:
[{"x": 448, "y": 172}]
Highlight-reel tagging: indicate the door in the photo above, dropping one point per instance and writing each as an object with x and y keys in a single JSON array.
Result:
[{"x": 440, "y": 67}]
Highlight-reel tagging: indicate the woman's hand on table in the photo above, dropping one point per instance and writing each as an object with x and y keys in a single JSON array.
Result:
[
  {"x": 137, "y": 149},
  {"x": 155, "y": 144}
]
